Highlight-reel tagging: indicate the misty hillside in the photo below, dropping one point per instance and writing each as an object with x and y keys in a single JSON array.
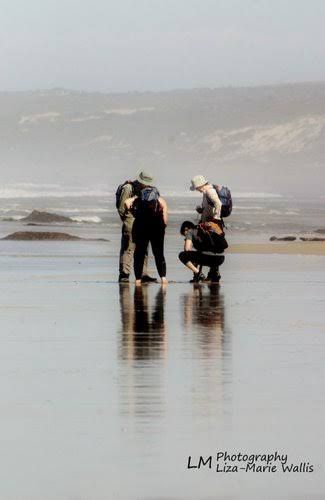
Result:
[{"x": 262, "y": 137}]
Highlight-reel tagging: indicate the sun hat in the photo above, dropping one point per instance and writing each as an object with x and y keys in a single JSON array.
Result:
[
  {"x": 145, "y": 178},
  {"x": 197, "y": 181}
]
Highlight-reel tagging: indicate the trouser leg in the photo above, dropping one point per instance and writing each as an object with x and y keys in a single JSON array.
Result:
[
  {"x": 188, "y": 256},
  {"x": 141, "y": 247},
  {"x": 145, "y": 265},
  {"x": 213, "y": 262},
  {"x": 200, "y": 259},
  {"x": 157, "y": 244},
  {"x": 127, "y": 249}
]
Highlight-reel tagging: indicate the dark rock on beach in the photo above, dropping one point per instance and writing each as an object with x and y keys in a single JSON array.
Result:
[
  {"x": 320, "y": 231},
  {"x": 44, "y": 217},
  {"x": 311, "y": 238},
  {"x": 293, "y": 238},
  {"x": 38, "y": 235},
  {"x": 46, "y": 235},
  {"x": 283, "y": 238}
]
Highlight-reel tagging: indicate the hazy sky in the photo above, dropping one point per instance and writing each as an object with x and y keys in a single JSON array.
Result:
[{"x": 159, "y": 44}]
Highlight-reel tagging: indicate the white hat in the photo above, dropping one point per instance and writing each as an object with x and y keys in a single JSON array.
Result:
[
  {"x": 145, "y": 178},
  {"x": 197, "y": 181}
]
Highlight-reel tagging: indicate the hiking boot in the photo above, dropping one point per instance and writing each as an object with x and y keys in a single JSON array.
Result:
[
  {"x": 123, "y": 278},
  {"x": 197, "y": 278},
  {"x": 148, "y": 279}
]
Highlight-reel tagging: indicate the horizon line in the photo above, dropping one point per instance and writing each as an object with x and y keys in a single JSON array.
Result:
[{"x": 176, "y": 89}]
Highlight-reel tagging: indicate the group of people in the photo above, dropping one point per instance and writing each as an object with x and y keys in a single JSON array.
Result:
[{"x": 144, "y": 214}]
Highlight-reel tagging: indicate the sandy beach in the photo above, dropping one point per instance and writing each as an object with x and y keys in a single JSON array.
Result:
[
  {"x": 292, "y": 248},
  {"x": 106, "y": 391}
]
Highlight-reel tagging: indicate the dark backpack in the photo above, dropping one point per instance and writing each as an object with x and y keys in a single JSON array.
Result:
[
  {"x": 225, "y": 198},
  {"x": 148, "y": 202},
  {"x": 118, "y": 193},
  {"x": 209, "y": 240}
]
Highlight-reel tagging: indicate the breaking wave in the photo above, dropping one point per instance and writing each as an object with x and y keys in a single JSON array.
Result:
[
  {"x": 31, "y": 190},
  {"x": 256, "y": 195},
  {"x": 49, "y": 191},
  {"x": 93, "y": 219},
  {"x": 12, "y": 218},
  {"x": 243, "y": 207},
  {"x": 75, "y": 210}
]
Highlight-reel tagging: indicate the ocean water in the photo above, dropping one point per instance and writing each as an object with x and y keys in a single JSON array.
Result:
[{"x": 255, "y": 217}]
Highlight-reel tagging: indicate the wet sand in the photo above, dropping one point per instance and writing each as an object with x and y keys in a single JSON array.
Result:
[
  {"x": 292, "y": 248},
  {"x": 106, "y": 390}
]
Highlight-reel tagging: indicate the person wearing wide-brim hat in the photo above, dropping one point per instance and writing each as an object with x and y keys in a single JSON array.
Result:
[
  {"x": 127, "y": 190},
  {"x": 145, "y": 179},
  {"x": 210, "y": 209}
]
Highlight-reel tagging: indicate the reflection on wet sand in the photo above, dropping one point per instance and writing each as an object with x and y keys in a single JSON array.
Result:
[
  {"x": 204, "y": 320},
  {"x": 204, "y": 311},
  {"x": 143, "y": 351},
  {"x": 144, "y": 330},
  {"x": 146, "y": 358}
]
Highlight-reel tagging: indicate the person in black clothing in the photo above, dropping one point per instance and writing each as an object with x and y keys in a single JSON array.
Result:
[
  {"x": 125, "y": 191},
  {"x": 151, "y": 217},
  {"x": 195, "y": 259}
]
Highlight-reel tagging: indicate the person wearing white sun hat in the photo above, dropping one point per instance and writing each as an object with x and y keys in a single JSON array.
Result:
[{"x": 210, "y": 209}]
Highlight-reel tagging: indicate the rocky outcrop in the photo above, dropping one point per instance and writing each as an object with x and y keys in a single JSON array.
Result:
[
  {"x": 37, "y": 216},
  {"x": 320, "y": 231},
  {"x": 47, "y": 235},
  {"x": 41, "y": 235},
  {"x": 294, "y": 238},
  {"x": 311, "y": 238},
  {"x": 283, "y": 238}
]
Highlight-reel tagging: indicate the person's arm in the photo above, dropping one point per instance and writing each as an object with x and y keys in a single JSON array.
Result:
[
  {"x": 188, "y": 245},
  {"x": 164, "y": 208},
  {"x": 126, "y": 194},
  {"x": 215, "y": 200}
]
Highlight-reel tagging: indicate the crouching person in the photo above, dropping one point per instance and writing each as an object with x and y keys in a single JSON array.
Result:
[{"x": 202, "y": 245}]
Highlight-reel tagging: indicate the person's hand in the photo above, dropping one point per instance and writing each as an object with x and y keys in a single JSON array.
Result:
[
  {"x": 199, "y": 209},
  {"x": 129, "y": 203}
]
